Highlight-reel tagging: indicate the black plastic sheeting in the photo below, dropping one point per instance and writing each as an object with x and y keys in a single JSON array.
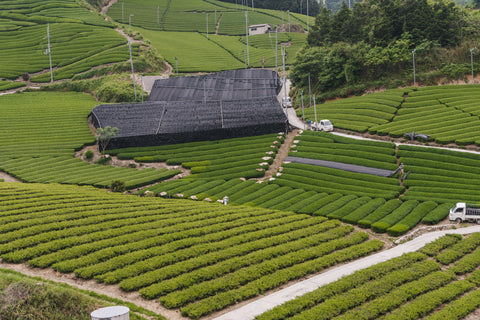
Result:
[
  {"x": 343, "y": 166},
  {"x": 226, "y": 85},
  {"x": 183, "y": 116}
]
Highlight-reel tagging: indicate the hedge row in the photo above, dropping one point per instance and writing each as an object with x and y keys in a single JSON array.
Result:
[
  {"x": 398, "y": 214},
  {"x": 346, "y": 146},
  {"x": 433, "y": 248},
  {"x": 335, "y": 205},
  {"x": 284, "y": 205},
  {"x": 379, "y": 213},
  {"x": 196, "y": 146},
  {"x": 121, "y": 267},
  {"x": 438, "y": 214},
  {"x": 339, "y": 304},
  {"x": 206, "y": 282},
  {"x": 146, "y": 246},
  {"x": 412, "y": 219},
  {"x": 314, "y": 177},
  {"x": 319, "y": 202},
  {"x": 363, "y": 211},
  {"x": 301, "y": 182},
  {"x": 398, "y": 296},
  {"x": 348, "y": 208},
  {"x": 424, "y": 304},
  {"x": 278, "y": 192},
  {"x": 458, "y": 308},
  {"x": 466, "y": 264},
  {"x": 268, "y": 282},
  {"x": 314, "y": 197},
  {"x": 460, "y": 249},
  {"x": 282, "y": 197},
  {"x": 348, "y": 152},
  {"x": 342, "y": 286}
]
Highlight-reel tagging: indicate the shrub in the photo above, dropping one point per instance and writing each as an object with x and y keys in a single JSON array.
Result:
[
  {"x": 386, "y": 222},
  {"x": 438, "y": 214},
  {"x": 89, "y": 154},
  {"x": 433, "y": 248},
  {"x": 379, "y": 213},
  {"x": 103, "y": 160},
  {"x": 412, "y": 219},
  {"x": 117, "y": 186}
]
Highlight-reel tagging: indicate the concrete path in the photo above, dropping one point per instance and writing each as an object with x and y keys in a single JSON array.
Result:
[
  {"x": 407, "y": 144},
  {"x": 148, "y": 82},
  {"x": 251, "y": 310}
]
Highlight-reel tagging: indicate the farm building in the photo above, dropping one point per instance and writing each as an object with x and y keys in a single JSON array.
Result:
[
  {"x": 223, "y": 105},
  {"x": 259, "y": 29}
]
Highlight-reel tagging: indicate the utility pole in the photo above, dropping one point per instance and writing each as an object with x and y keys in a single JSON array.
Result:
[
  {"x": 253, "y": 8},
  {"x": 307, "y": 16},
  {"x": 246, "y": 32},
  {"x": 130, "y": 22},
  {"x": 288, "y": 12},
  {"x": 471, "y": 62},
  {"x": 141, "y": 82},
  {"x": 315, "y": 111},
  {"x": 413, "y": 58},
  {"x": 284, "y": 73},
  {"x": 207, "y": 26},
  {"x": 276, "y": 49},
  {"x": 49, "y": 52},
  {"x": 303, "y": 113},
  {"x": 158, "y": 15},
  {"x": 309, "y": 90},
  {"x": 133, "y": 73},
  {"x": 123, "y": 13}
]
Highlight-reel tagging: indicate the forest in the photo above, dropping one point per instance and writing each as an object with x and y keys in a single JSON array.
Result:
[{"x": 373, "y": 43}]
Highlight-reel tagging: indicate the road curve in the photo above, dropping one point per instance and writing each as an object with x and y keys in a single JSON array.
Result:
[{"x": 251, "y": 310}]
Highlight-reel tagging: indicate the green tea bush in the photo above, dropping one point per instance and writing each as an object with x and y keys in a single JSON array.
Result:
[{"x": 412, "y": 219}]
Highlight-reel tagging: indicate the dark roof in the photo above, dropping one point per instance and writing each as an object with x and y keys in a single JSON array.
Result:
[
  {"x": 226, "y": 85},
  {"x": 223, "y": 105},
  {"x": 160, "y": 117}
]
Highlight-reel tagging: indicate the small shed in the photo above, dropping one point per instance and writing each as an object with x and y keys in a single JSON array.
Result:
[{"x": 259, "y": 29}]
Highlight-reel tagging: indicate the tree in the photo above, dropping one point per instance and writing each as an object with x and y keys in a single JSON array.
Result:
[
  {"x": 104, "y": 135},
  {"x": 320, "y": 32}
]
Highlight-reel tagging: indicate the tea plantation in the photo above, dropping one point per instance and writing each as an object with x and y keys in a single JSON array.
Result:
[
  {"x": 79, "y": 39},
  {"x": 413, "y": 286},
  {"x": 189, "y": 255},
  {"x": 170, "y": 240},
  {"x": 39, "y": 133},
  {"x": 182, "y": 25}
]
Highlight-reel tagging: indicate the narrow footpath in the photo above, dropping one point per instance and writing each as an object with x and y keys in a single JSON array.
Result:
[{"x": 251, "y": 310}]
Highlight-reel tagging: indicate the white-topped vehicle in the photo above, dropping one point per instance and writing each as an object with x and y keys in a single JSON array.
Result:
[
  {"x": 465, "y": 212},
  {"x": 287, "y": 102},
  {"x": 325, "y": 125}
]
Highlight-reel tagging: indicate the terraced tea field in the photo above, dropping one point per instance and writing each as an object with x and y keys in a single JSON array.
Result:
[
  {"x": 79, "y": 39},
  {"x": 194, "y": 256},
  {"x": 409, "y": 287},
  {"x": 39, "y": 133},
  {"x": 183, "y": 26}
]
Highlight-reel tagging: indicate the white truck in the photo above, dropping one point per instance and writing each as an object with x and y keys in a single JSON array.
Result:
[
  {"x": 465, "y": 212},
  {"x": 325, "y": 125}
]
